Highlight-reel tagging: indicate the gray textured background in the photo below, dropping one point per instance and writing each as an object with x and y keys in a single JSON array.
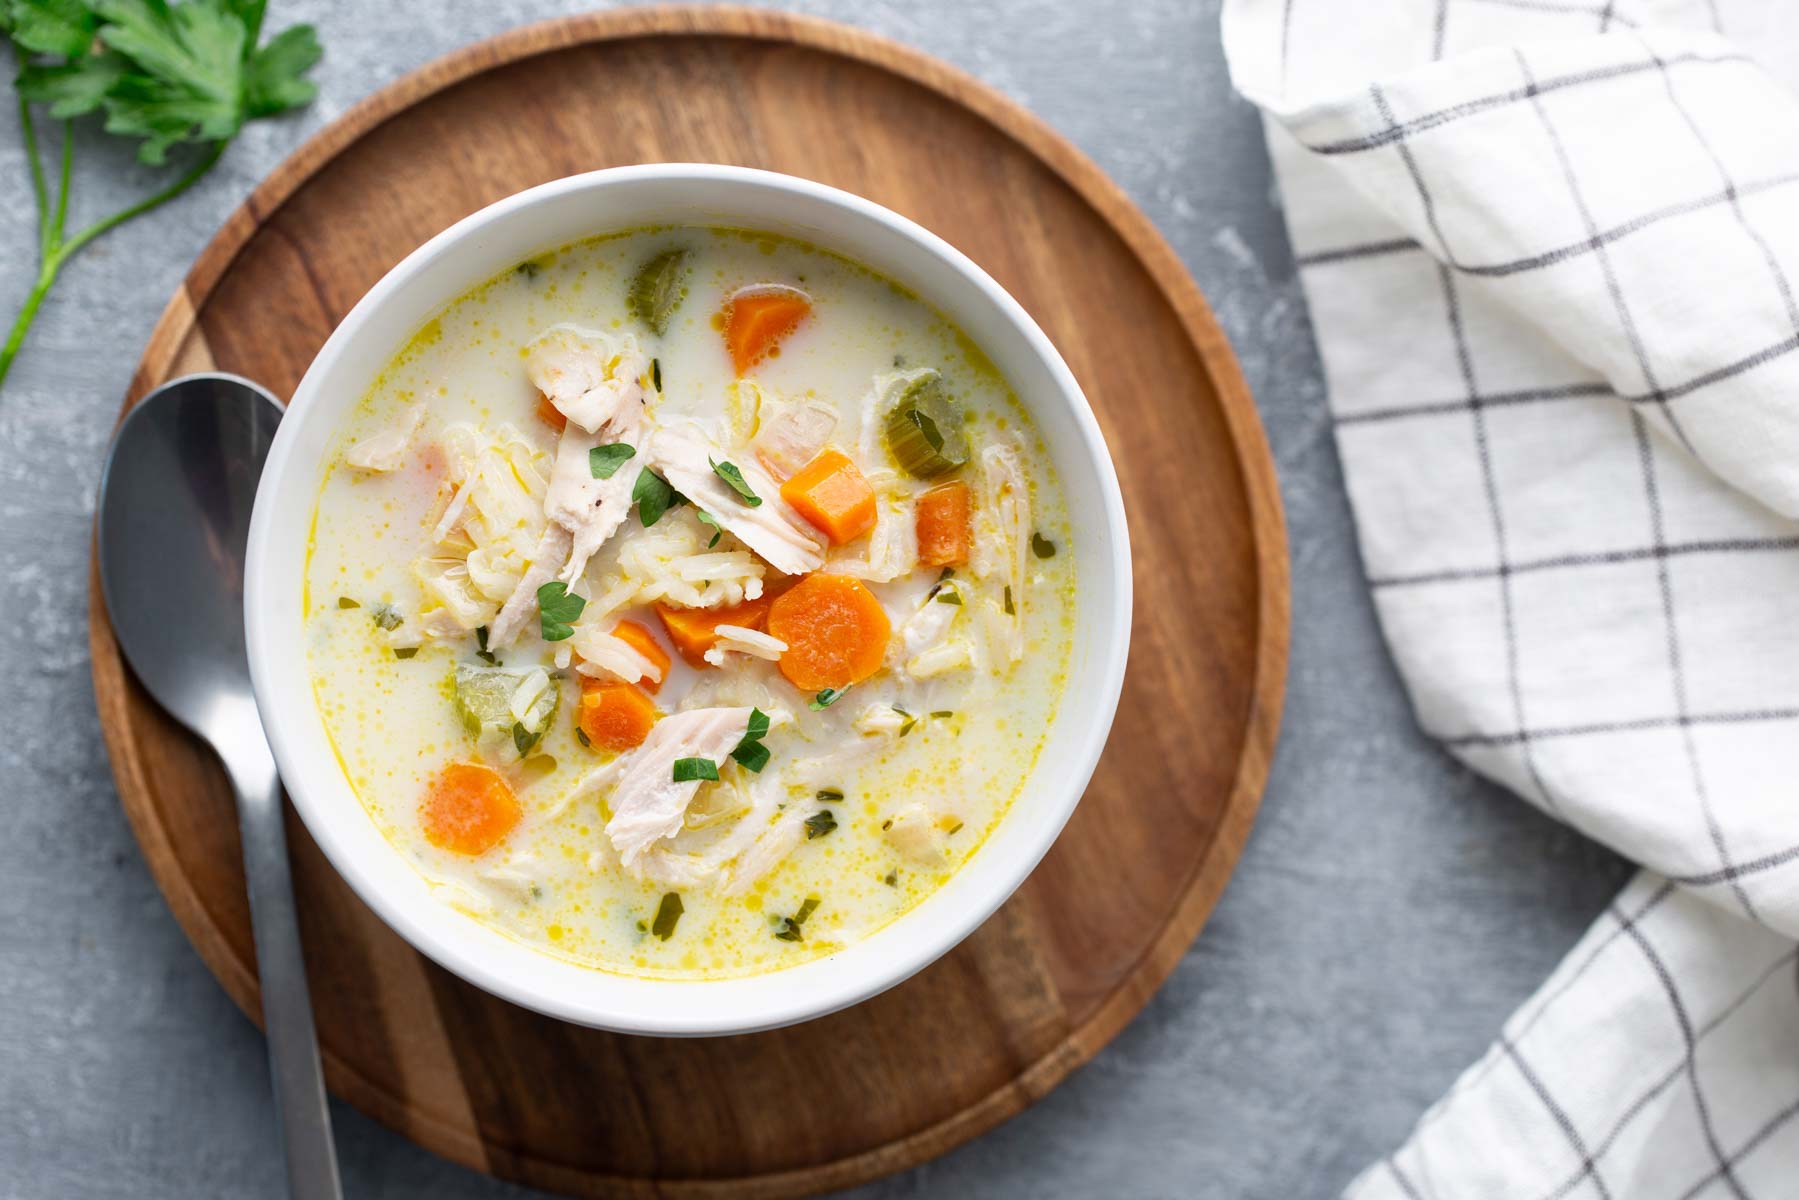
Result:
[{"x": 1391, "y": 909}]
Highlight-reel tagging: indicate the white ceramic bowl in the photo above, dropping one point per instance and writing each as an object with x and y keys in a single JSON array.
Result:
[{"x": 553, "y": 215}]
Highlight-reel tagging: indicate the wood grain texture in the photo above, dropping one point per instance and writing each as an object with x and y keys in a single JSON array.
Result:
[{"x": 1060, "y": 969}]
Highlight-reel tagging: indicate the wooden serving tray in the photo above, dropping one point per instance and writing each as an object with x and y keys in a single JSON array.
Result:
[{"x": 1062, "y": 967}]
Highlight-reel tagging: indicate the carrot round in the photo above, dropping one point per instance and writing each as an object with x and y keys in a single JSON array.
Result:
[
  {"x": 833, "y": 495},
  {"x": 467, "y": 809},
  {"x": 644, "y": 642},
  {"x": 756, "y": 319},
  {"x": 943, "y": 526},
  {"x": 615, "y": 716},
  {"x": 549, "y": 414},
  {"x": 835, "y": 630},
  {"x": 695, "y": 630}
]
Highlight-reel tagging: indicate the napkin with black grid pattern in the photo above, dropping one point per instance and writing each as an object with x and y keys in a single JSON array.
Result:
[{"x": 1551, "y": 250}]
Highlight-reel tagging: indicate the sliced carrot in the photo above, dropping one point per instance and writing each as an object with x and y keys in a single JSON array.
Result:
[
  {"x": 549, "y": 414},
  {"x": 468, "y": 809},
  {"x": 756, "y": 319},
  {"x": 943, "y": 525},
  {"x": 835, "y": 630},
  {"x": 831, "y": 493},
  {"x": 644, "y": 642},
  {"x": 695, "y": 630},
  {"x": 615, "y": 716}
]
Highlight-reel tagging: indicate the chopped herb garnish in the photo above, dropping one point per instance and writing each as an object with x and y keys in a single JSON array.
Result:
[
  {"x": 788, "y": 928},
  {"x": 753, "y": 755},
  {"x": 656, "y": 373},
  {"x": 943, "y": 714},
  {"x": 707, "y": 518},
  {"x": 387, "y": 616},
  {"x": 668, "y": 915},
  {"x": 1041, "y": 546},
  {"x": 829, "y": 795},
  {"x": 482, "y": 652},
  {"x": 687, "y": 770},
  {"x": 536, "y": 892},
  {"x": 949, "y": 595},
  {"x": 523, "y": 739},
  {"x": 529, "y": 269},
  {"x": 819, "y": 824},
  {"x": 947, "y": 574},
  {"x": 346, "y": 602},
  {"x": 827, "y": 698},
  {"x": 750, "y": 751},
  {"x": 728, "y": 472},
  {"x": 908, "y": 723},
  {"x": 557, "y": 610},
  {"x": 581, "y": 736},
  {"x": 1010, "y": 611},
  {"x": 954, "y": 829},
  {"x": 652, "y": 496},
  {"x": 604, "y": 461},
  {"x": 405, "y": 651},
  {"x": 891, "y": 879}
]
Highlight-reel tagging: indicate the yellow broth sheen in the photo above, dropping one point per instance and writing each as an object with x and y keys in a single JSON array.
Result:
[{"x": 549, "y": 883}]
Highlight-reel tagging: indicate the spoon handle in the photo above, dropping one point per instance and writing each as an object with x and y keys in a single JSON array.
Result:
[{"x": 299, "y": 1082}]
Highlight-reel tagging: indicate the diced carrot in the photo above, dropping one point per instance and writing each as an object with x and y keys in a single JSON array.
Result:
[
  {"x": 835, "y": 630},
  {"x": 695, "y": 630},
  {"x": 832, "y": 493},
  {"x": 644, "y": 642},
  {"x": 549, "y": 414},
  {"x": 756, "y": 319},
  {"x": 468, "y": 809},
  {"x": 615, "y": 716},
  {"x": 943, "y": 525}
]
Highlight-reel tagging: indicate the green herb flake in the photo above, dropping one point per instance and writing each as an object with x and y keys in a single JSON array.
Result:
[
  {"x": 707, "y": 518},
  {"x": 729, "y": 472},
  {"x": 827, "y": 698},
  {"x": 656, "y": 374},
  {"x": 950, "y": 595},
  {"x": 688, "y": 770},
  {"x": 788, "y": 929},
  {"x": 753, "y": 755},
  {"x": 386, "y": 616},
  {"x": 604, "y": 461},
  {"x": 943, "y": 714},
  {"x": 829, "y": 795},
  {"x": 581, "y": 736},
  {"x": 954, "y": 829},
  {"x": 481, "y": 651},
  {"x": 891, "y": 879},
  {"x": 1041, "y": 546},
  {"x": 405, "y": 651},
  {"x": 346, "y": 602},
  {"x": 819, "y": 824},
  {"x": 908, "y": 724},
  {"x": 1010, "y": 611},
  {"x": 529, "y": 269},
  {"x": 807, "y": 908},
  {"x": 523, "y": 739},
  {"x": 558, "y": 609},
  {"x": 668, "y": 915},
  {"x": 653, "y": 496}
]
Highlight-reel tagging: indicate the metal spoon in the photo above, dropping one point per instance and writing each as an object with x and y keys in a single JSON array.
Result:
[{"x": 174, "y": 517}]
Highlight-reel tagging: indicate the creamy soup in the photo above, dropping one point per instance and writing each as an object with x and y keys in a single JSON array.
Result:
[{"x": 688, "y": 603}]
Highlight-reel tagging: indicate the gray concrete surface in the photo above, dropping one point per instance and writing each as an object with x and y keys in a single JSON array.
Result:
[{"x": 1390, "y": 911}]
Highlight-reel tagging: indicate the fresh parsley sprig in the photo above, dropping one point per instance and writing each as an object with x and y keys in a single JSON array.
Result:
[{"x": 167, "y": 72}]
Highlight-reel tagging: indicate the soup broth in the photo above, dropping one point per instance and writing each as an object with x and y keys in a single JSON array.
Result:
[{"x": 688, "y": 602}]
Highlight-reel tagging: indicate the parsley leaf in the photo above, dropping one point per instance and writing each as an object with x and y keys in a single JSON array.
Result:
[
  {"x": 604, "y": 461},
  {"x": 687, "y": 770},
  {"x": 820, "y": 823},
  {"x": 827, "y": 698},
  {"x": 707, "y": 518},
  {"x": 668, "y": 914},
  {"x": 557, "y": 611},
  {"x": 730, "y": 473},
  {"x": 653, "y": 496}
]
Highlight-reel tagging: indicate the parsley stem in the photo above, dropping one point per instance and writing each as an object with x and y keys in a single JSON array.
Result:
[
  {"x": 39, "y": 192},
  {"x": 62, "y": 185},
  {"x": 55, "y": 251}
]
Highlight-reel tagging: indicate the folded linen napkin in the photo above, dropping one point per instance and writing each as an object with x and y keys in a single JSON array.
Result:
[{"x": 1551, "y": 250}]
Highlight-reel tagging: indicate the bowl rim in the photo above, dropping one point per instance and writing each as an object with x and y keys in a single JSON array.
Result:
[{"x": 415, "y": 925}]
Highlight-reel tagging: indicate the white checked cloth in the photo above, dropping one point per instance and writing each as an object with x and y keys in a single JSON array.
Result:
[{"x": 1551, "y": 249}]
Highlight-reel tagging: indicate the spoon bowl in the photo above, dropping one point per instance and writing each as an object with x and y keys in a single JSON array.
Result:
[{"x": 174, "y": 519}]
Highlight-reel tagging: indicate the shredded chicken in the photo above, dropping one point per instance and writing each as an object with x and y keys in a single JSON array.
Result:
[
  {"x": 591, "y": 509},
  {"x": 772, "y": 529},
  {"x": 790, "y": 434},
  {"x": 648, "y": 806},
  {"x": 916, "y": 833},
  {"x": 1002, "y": 532},
  {"x": 385, "y": 449},
  {"x": 590, "y": 377}
]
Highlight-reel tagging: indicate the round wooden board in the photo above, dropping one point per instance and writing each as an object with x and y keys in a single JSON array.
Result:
[{"x": 1062, "y": 967}]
